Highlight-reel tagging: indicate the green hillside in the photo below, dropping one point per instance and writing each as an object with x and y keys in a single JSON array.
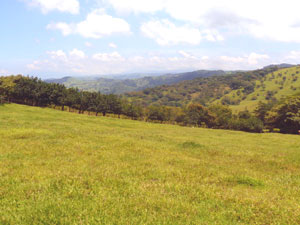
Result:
[
  {"x": 120, "y": 86},
  {"x": 64, "y": 168},
  {"x": 278, "y": 84},
  {"x": 239, "y": 90},
  {"x": 203, "y": 90}
]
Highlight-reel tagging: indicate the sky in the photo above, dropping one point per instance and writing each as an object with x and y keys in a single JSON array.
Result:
[{"x": 56, "y": 38}]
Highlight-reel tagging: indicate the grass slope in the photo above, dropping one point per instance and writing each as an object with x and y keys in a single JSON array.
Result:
[
  {"x": 63, "y": 168},
  {"x": 281, "y": 83}
]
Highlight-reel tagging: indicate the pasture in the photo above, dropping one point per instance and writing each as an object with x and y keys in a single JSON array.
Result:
[{"x": 64, "y": 168}]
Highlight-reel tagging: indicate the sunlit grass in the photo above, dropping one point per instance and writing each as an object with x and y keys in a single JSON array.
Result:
[{"x": 64, "y": 168}]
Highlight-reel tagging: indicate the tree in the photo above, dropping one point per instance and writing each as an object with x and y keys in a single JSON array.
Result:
[
  {"x": 156, "y": 113},
  {"x": 85, "y": 101},
  {"x": 101, "y": 104},
  {"x": 114, "y": 103},
  {"x": 222, "y": 114},
  {"x": 262, "y": 109},
  {"x": 2, "y": 96},
  {"x": 285, "y": 115},
  {"x": 72, "y": 98},
  {"x": 132, "y": 110},
  {"x": 198, "y": 115},
  {"x": 244, "y": 114}
]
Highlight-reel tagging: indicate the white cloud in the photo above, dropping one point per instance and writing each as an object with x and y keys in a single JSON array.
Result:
[
  {"x": 165, "y": 32},
  {"x": 34, "y": 65},
  {"x": 229, "y": 59},
  {"x": 137, "y": 6},
  {"x": 112, "y": 45},
  {"x": 251, "y": 61},
  {"x": 96, "y": 25},
  {"x": 3, "y": 72},
  {"x": 276, "y": 20},
  {"x": 77, "y": 62},
  {"x": 294, "y": 55},
  {"x": 108, "y": 57},
  {"x": 186, "y": 55},
  {"x": 77, "y": 54},
  {"x": 88, "y": 44},
  {"x": 254, "y": 58},
  {"x": 99, "y": 24},
  {"x": 65, "y": 28},
  {"x": 70, "y": 6},
  {"x": 59, "y": 54}
]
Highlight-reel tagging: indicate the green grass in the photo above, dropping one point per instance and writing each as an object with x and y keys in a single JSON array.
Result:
[
  {"x": 64, "y": 168},
  {"x": 274, "y": 82}
]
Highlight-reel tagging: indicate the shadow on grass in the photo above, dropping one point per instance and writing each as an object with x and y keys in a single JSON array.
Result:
[
  {"x": 191, "y": 144},
  {"x": 246, "y": 181}
]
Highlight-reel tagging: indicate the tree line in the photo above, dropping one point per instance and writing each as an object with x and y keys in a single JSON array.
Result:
[{"x": 283, "y": 115}]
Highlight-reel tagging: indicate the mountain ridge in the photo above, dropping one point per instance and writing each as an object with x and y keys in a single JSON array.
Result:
[{"x": 120, "y": 86}]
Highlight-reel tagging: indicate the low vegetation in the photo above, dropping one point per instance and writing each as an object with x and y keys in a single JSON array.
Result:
[{"x": 64, "y": 168}]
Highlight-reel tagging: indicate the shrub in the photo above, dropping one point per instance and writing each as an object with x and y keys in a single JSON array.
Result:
[{"x": 251, "y": 124}]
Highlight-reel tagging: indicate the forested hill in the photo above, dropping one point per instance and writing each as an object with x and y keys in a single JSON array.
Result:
[
  {"x": 119, "y": 86},
  {"x": 203, "y": 90}
]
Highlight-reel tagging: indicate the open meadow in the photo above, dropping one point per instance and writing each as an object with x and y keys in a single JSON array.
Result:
[{"x": 65, "y": 168}]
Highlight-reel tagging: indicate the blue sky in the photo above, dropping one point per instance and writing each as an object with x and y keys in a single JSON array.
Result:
[{"x": 54, "y": 38}]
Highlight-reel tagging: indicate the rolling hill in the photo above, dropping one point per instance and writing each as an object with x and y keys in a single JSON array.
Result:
[
  {"x": 200, "y": 90},
  {"x": 239, "y": 90},
  {"x": 120, "y": 86},
  {"x": 64, "y": 168}
]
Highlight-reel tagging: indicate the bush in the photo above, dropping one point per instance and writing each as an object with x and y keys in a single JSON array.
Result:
[{"x": 251, "y": 124}]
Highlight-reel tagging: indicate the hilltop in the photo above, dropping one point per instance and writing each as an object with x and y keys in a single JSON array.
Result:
[
  {"x": 64, "y": 168},
  {"x": 280, "y": 66}
]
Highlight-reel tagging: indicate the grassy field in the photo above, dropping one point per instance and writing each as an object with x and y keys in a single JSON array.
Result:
[
  {"x": 281, "y": 83},
  {"x": 64, "y": 168}
]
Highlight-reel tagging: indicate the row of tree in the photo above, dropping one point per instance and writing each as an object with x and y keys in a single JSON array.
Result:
[
  {"x": 284, "y": 115},
  {"x": 35, "y": 92}
]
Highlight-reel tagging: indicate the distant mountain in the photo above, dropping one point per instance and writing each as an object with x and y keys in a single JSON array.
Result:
[
  {"x": 58, "y": 81},
  {"x": 280, "y": 66},
  {"x": 120, "y": 86}
]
